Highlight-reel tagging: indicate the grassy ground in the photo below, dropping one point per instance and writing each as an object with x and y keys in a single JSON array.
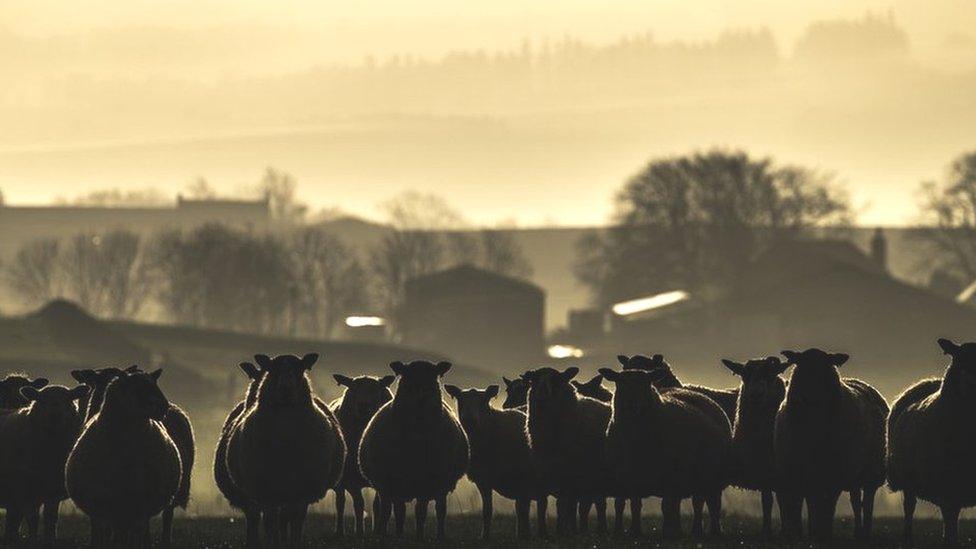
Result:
[{"x": 465, "y": 530}]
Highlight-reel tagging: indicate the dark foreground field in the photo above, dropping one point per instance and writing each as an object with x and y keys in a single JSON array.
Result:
[{"x": 465, "y": 531}]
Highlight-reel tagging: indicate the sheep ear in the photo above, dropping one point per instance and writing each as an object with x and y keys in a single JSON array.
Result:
[
  {"x": 264, "y": 361},
  {"x": 658, "y": 359},
  {"x": 30, "y": 393},
  {"x": 155, "y": 374},
  {"x": 777, "y": 365},
  {"x": 491, "y": 391},
  {"x": 39, "y": 383},
  {"x": 736, "y": 368},
  {"x": 309, "y": 360},
  {"x": 343, "y": 380},
  {"x": 508, "y": 382},
  {"x": 609, "y": 375},
  {"x": 82, "y": 376},
  {"x": 398, "y": 367},
  {"x": 949, "y": 347},
  {"x": 250, "y": 370},
  {"x": 569, "y": 373},
  {"x": 386, "y": 381},
  {"x": 791, "y": 356},
  {"x": 453, "y": 390},
  {"x": 442, "y": 368},
  {"x": 528, "y": 376},
  {"x": 594, "y": 381},
  {"x": 839, "y": 359},
  {"x": 623, "y": 360},
  {"x": 80, "y": 391}
]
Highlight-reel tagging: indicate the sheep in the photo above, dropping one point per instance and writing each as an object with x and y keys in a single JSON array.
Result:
[
  {"x": 932, "y": 441},
  {"x": 672, "y": 444},
  {"x": 177, "y": 425},
  {"x": 760, "y": 393},
  {"x": 500, "y": 458},
  {"x": 414, "y": 447},
  {"x": 286, "y": 450},
  {"x": 829, "y": 437},
  {"x": 34, "y": 444},
  {"x": 363, "y": 396},
  {"x": 125, "y": 468},
  {"x": 516, "y": 393},
  {"x": 10, "y": 396},
  {"x": 566, "y": 435},
  {"x": 235, "y": 497},
  {"x": 594, "y": 389},
  {"x": 726, "y": 398}
]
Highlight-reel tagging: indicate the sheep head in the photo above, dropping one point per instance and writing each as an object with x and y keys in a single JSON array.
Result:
[
  {"x": 285, "y": 379},
  {"x": 420, "y": 382},
  {"x": 53, "y": 407},
  {"x": 961, "y": 374},
  {"x": 651, "y": 364},
  {"x": 10, "y": 390},
  {"x": 137, "y": 394},
  {"x": 593, "y": 389},
  {"x": 365, "y": 394},
  {"x": 815, "y": 373},
  {"x": 546, "y": 384},
  {"x": 635, "y": 389},
  {"x": 472, "y": 404},
  {"x": 760, "y": 379},
  {"x": 516, "y": 393}
]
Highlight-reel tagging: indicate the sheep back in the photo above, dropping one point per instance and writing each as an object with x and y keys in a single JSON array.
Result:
[
  {"x": 500, "y": 455},
  {"x": 179, "y": 428},
  {"x": 569, "y": 447},
  {"x": 235, "y": 497}
]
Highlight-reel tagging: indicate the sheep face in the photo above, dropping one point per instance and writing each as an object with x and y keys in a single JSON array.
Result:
[
  {"x": 420, "y": 383},
  {"x": 138, "y": 393},
  {"x": 815, "y": 373},
  {"x": 961, "y": 374},
  {"x": 285, "y": 380},
  {"x": 365, "y": 394},
  {"x": 655, "y": 363},
  {"x": 760, "y": 379},
  {"x": 634, "y": 388},
  {"x": 547, "y": 385},
  {"x": 53, "y": 407},
  {"x": 10, "y": 390},
  {"x": 594, "y": 389},
  {"x": 473, "y": 405},
  {"x": 516, "y": 393}
]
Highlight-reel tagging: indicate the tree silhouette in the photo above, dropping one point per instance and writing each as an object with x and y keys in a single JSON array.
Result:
[{"x": 949, "y": 219}]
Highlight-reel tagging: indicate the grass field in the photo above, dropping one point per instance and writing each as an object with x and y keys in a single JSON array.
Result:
[{"x": 465, "y": 531}]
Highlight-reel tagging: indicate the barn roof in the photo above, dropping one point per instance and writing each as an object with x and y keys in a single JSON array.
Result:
[{"x": 468, "y": 278}]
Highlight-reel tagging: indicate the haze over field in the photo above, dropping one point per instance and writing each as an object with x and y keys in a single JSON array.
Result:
[{"x": 528, "y": 113}]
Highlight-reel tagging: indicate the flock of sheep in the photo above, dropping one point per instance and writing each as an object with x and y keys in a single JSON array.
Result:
[{"x": 123, "y": 453}]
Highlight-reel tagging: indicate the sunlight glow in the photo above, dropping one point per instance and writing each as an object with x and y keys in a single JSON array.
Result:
[
  {"x": 363, "y": 321},
  {"x": 564, "y": 351},
  {"x": 643, "y": 304}
]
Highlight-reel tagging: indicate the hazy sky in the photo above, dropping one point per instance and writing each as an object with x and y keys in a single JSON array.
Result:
[{"x": 85, "y": 71}]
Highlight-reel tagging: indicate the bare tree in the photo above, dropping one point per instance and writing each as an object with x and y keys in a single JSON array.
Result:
[
  {"x": 502, "y": 254},
  {"x": 200, "y": 189},
  {"x": 280, "y": 190},
  {"x": 949, "y": 219},
  {"x": 34, "y": 272},
  {"x": 104, "y": 273}
]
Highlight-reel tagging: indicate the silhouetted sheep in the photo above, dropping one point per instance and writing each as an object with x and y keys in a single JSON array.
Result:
[
  {"x": 125, "y": 468},
  {"x": 34, "y": 444},
  {"x": 567, "y": 435},
  {"x": 932, "y": 441},
  {"x": 725, "y": 398},
  {"x": 363, "y": 396},
  {"x": 516, "y": 393},
  {"x": 594, "y": 389},
  {"x": 97, "y": 381},
  {"x": 829, "y": 437},
  {"x": 235, "y": 497},
  {"x": 500, "y": 460},
  {"x": 673, "y": 444},
  {"x": 761, "y": 392},
  {"x": 414, "y": 447},
  {"x": 10, "y": 396},
  {"x": 287, "y": 450}
]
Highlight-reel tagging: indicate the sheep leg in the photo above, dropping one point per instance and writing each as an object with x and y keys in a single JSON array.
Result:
[
  {"x": 166, "y": 536},
  {"x": 767, "y": 511},
  {"x": 868, "y": 511},
  {"x": 950, "y": 525},
  {"x": 340, "y": 511},
  {"x": 486, "y": 511},
  {"x": 790, "y": 514},
  {"x": 359, "y": 509},
  {"x": 857, "y": 509},
  {"x": 382, "y": 507},
  {"x": 51, "y": 510},
  {"x": 440, "y": 507},
  {"x": 420, "y": 516},
  {"x": 908, "y": 506},
  {"x": 714, "y": 502},
  {"x": 671, "y": 511},
  {"x": 698, "y": 520},
  {"x": 541, "y": 510},
  {"x": 271, "y": 525},
  {"x": 635, "y": 515},
  {"x": 829, "y": 512},
  {"x": 399, "y": 513},
  {"x": 522, "y": 518},
  {"x": 12, "y": 529},
  {"x": 252, "y": 525},
  {"x": 562, "y": 502},
  {"x": 297, "y": 523},
  {"x": 32, "y": 517},
  {"x": 618, "y": 516},
  {"x": 584, "y": 515},
  {"x": 601, "y": 515}
]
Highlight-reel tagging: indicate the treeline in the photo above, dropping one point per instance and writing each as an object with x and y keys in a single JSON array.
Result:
[{"x": 298, "y": 281}]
